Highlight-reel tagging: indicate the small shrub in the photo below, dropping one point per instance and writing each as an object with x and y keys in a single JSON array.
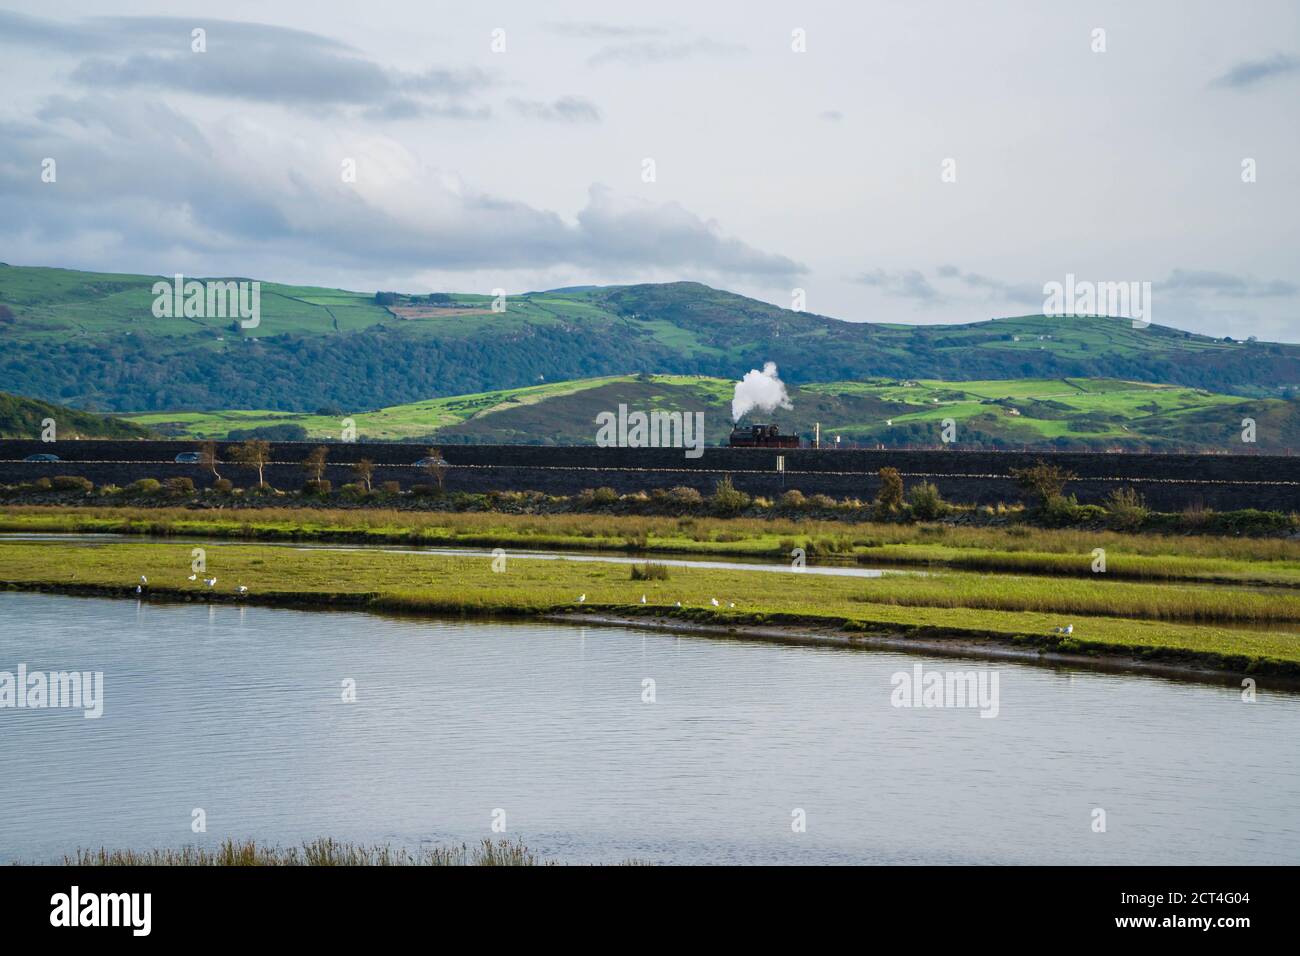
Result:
[
  {"x": 926, "y": 502},
  {"x": 107, "y": 490},
  {"x": 317, "y": 486},
  {"x": 1065, "y": 510},
  {"x": 144, "y": 486},
  {"x": 1196, "y": 516},
  {"x": 650, "y": 571},
  {"x": 42, "y": 484},
  {"x": 1044, "y": 481},
  {"x": 424, "y": 491},
  {"x": 889, "y": 500},
  {"x": 223, "y": 485},
  {"x": 792, "y": 499},
  {"x": 391, "y": 487},
  {"x": 1254, "y": 521},
  {"x": 683, "y": 495},
  {"x": 727, "y": 498},
  {"x": 603, "y": 496},
  {"x": 822, "y": 501},
  {"x": 73, "y": 483},
  {"x": 179, "y": 486},
  {"x": 1126, "y": 508}
]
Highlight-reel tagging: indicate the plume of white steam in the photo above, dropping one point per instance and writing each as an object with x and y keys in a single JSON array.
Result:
[{"x": 761, "y": 390}]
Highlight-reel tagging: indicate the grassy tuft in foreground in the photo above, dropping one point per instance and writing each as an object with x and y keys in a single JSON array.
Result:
[{"x": 325, "y": 851}]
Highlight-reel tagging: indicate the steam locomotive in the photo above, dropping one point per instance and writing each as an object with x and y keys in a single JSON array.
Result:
[{"x": 761, "y": 436}]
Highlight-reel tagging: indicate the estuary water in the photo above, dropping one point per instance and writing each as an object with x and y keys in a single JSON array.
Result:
[{"x": 600, "y": 744}]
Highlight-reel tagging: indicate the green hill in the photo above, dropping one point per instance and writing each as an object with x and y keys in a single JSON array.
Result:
[
  {"x": 1097, "y": 414},
  {"x": 90, "y": 339},
  {"x": 25, "y": 418}
]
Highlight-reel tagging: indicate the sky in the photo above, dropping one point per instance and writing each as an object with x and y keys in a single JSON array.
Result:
[{"x": 915, "y": 162}]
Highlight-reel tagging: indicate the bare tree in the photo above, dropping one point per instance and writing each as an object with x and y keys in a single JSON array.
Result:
[
  {"x": 254, "y": 454},
  {"x": 435, "y": 467},
  {"x": 208, "y": 458},
  {"x": 314, "y": 463},
  {"x": 365, "y": 471}
]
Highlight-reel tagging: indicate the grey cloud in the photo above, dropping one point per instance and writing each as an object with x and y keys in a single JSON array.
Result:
[
  {"x": 1255, "y": 71},
  {"x": 288, "y": 75},
  {"x": 904, "y": 283},
  {"x": 831, "y": 116},
  {"x": 21, "y": 30},
  {"x": 590, "y": 30},
  {"x": 647, "y": 52},
  {"x": 997, "y": 288},
  {"x": 1186, "y": 282},
  {"x": 912, "y": 284},
  {"x": 251, "y": 62},
  {"x": 1226, "y": 284},
  {"x": 667, "y": 235},
  {"x": 405, "y": 108},
  {"x": 144, "y": 181},
  {"x": 566, "y": 109},
  {"x": 119, "y": 33}
]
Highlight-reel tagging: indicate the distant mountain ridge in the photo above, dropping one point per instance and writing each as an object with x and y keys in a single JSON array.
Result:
[{"x": 91, "y": 340}]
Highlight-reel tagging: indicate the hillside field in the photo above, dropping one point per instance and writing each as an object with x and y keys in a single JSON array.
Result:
[
  {"x": 1058, "y": 413},
  {"x": 90, "y": 340}
]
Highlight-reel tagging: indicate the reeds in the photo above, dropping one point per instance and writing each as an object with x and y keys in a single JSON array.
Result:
[
  {"x": 650, "y": 571},
  {"x": 324, "y": 851}
]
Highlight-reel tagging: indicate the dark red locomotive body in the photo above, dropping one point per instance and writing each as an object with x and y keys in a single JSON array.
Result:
[{"x": 761, "y": 436}]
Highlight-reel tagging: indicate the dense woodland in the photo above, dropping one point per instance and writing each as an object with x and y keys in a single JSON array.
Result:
[{"x": 377, "y": 367}]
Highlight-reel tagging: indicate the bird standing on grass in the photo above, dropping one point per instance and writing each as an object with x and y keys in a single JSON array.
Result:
[
  {"x": 1068, "y": 629},
  {"x": 582, "y": 598},
  {"x": 193, "y": 577},
  {"x": 210, "y": 582},
  {"x": 143, "y": 579},
  {"x": 241, "y": 589},
  {"x": 643, "y": 599},
  {"x": 715, "y": 601}
]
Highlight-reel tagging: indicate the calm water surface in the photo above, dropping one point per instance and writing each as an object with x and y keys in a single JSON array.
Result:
[{"x": 238, "y": 711}]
